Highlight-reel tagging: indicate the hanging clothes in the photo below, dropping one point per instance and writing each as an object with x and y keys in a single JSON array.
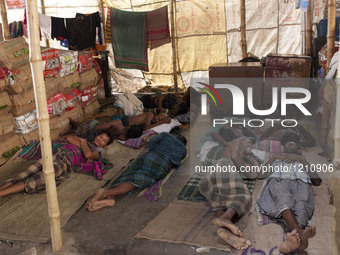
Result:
[
  {"x": 95, "y": 26},
  {"x": 15, "y": 29},
  {"x": 58, "y": 28},
  {"x": 129, "y": 40},
  {"x": 108, "y": 26},
  {"x": 157, "y": 27},
  {"x": 45, "y": 25},
  {"x": 79, "y": 33}
]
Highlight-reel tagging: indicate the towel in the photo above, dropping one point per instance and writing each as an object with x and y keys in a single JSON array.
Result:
[{"x": 157, "y": 27}]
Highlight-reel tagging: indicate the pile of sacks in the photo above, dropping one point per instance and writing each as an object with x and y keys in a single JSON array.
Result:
[{"x": 71, "y": 91}]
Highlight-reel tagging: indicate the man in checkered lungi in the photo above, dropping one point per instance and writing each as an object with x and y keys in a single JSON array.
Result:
[
  {"x": 226, "y": 192},
  {"x": 165, "y": 152},
  {"x": 288, "y": 193}
]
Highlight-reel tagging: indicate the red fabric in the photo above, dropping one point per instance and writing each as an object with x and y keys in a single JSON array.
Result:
[
  {"x": 3, "y": 72},
  {"x": 15, "y": 4}
]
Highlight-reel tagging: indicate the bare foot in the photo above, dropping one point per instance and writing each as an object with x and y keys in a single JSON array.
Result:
[
  {"x": 307, "y": 233},
  {"x": 220, "y": 222},
  {"x": 96, "y": 197},
  {"x": 292, "y": 242},
  {"x": 233, "y": 240},
  {"x": 100, "y": 204}
]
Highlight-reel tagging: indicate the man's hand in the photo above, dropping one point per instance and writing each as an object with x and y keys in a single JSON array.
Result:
[{"x": 290, "y": 157}]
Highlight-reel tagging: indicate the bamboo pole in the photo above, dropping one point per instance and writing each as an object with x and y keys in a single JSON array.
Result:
[
  {"x": 43, "y": 120},
  {"x": 43, "y": 11},
  {"x": 4, "y": 21},
  {"x": 243, "y": 28},
  {"x": 173, "y": 44},
  {"x": 309, "y": 29},
  {"x": 330, "y": 52},
  {"x": 330, "y": 31},
  {"x": 102, "y": 17}
]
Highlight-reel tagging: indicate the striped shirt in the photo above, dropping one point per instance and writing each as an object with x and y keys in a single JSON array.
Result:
[{"x": 295, "y": 170}]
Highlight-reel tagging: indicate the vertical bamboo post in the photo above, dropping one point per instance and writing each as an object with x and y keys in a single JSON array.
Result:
[
  {"x": 4, "y": 21},
  {"x": 330, "y": 31},
  {"x": 243, "y": 28},
  {"x": 102, "y": 18},
  {"x": 43, "y": 11},
  {"x": 330, "y": 52},
  {"x": 309, "y": 29},
  {"x": 43, "y": 120},
  {"x": 173, "y": 44}
]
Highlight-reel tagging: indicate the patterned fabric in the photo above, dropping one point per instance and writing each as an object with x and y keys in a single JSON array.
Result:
[
  {"x": 293, "y": 173},
  {"x": 157, "y": 27},
  {"x": 87, "y": 130},
  {"x": 278, "y": 195},
  {"x": 124, "y": 119},
  {"x": 130, "y": 104},
  {"x": 168, "y": 145},
  {"x": 269, "y": 146},
  {"x": 78, "y": 35},
  {"x": 190, "y": 191},
  {"x": 129, "y": 41},
  {"x": 184, "y": 118},
  {"x": 138, "y": 142},
  {"x": 226, "y": 190},
  {"x": 67, "y": 159},
  {"x": 146, "y": 170},
  {"x": 108, "y": 26},
  {"x": 33, "y": 151},
  {"x": 165, "y": 152}
]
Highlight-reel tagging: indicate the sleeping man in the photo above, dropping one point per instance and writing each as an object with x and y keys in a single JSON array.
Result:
[
  {"x": 226, "y": 192},
  {"x": 166, "y": 151},
  {"x": 288, "y": 193}
]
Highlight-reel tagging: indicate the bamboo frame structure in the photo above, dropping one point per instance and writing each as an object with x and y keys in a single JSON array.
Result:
[
  {"x": 173, "y": 45},
  {"x": 330, "y": 52},
  {"x": 43, "y": 11},
  {"x": 43, "y": 120},
  {"x": 243, "y": 28},
  {"x": 330, "y": 31},
  {"x": 4, "y": 21},
  {"x": 309, "y": 29}
]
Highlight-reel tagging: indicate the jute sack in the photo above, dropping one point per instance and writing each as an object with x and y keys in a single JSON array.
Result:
[
  {"x": 21, "y": 79},
  {"x": 14, "y": 53},
  {"x": 76, "y": 114},
  {"x": 59, "y": 125},
  {"x": 88, "y": 79},
  {"x": 11, "y": 142},
  {"x": 91, "y": 110},
  {"x": 23, "y": 103},
  {"x": 25, "y": 139},
  {"x": 7, "y": 125},
  {"x": 5, "y": 103},
  {"x": 69, "y": 83},
  {"x": 52, "y": 86}
]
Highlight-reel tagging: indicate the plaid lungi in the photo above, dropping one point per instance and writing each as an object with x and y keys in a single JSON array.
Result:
[
  {"x": 146, "y": 170},
  {"x": 226, "y": 190},
  {"x": 33, "y": 176},
  {"x": 278, "y": 195},
  {"x": 87, "y": 130}
]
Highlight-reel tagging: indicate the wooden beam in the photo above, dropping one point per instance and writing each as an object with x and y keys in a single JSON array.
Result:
[
  {"x": 4, "y": 21},
  {"x": 173, "y": 44},
  {"x": 43, "y": 121},
  {"x": 243, "y": 28},
  {"x": 309, "y": 29},
  {"x": 330, "y": 31}
]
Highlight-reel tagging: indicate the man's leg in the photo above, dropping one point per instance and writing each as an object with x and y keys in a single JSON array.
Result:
[
  {"x": 18, "y": 187},
  {"x": 293, "y": 224},
  {"x": 104, "y": 198},
  {"x": 225, "y": 220}
]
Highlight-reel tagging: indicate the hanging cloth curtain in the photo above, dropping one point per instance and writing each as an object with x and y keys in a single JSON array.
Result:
[
  {"x": 129, "y": 40},
  {"x": 157, "y": 27}
]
